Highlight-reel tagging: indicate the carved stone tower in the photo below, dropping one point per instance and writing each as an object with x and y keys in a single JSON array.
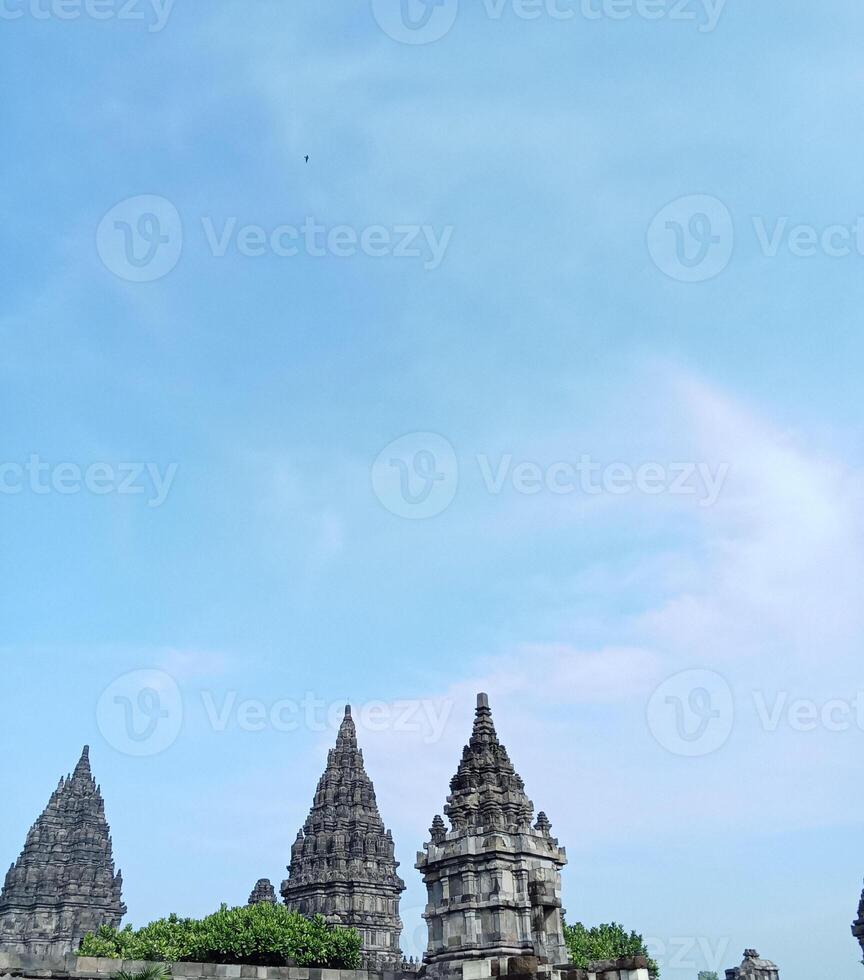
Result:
[
  {"x": 63, "y": 885},
  {"x": 493, "y": 880},
  {"x": 263, "y": 892},
  {"x": 858, "y": 925},
  {"x": 754, "y": 968},
  {"x": 343, "y": 863}
]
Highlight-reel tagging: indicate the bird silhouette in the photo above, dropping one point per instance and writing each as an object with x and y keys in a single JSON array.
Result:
[{"x": 307, "y": 157}]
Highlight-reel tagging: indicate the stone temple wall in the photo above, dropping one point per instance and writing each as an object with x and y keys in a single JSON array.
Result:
[{"x": 70, "y": 967}]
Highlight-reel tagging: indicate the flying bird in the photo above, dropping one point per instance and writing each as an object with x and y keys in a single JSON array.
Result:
[{"x": 307, "y": 157}]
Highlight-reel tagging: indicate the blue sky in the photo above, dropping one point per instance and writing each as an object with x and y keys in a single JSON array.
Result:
[{"x": 278, "y": 399}]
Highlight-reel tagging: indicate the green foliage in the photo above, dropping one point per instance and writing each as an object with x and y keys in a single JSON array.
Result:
[
  {"x": 605, "y": 942},
  {"x": 260, "y": 935},
  {"x": 708, "y": 975},
  {"x": 152, "y": 972}
]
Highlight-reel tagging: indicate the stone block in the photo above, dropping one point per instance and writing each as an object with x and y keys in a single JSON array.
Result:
[
  {"x": 87, "y": 964},
  {"x": 523, "y": 964},
  {"x": 476, "y": 969}
]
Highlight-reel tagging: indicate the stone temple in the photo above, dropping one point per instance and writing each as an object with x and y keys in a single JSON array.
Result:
[
  {"x": 343, "y": 863},
  {"x": 754, "y": 968},
  {"x": 858, "y": 925},
  {"x": 263, "y": 892},
  {"x": 63, "y": 885},
  {"x": 493, "y": 880}
]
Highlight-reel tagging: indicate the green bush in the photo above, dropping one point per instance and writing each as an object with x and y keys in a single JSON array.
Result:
[
  {"x": 148, "y": 973},
  {"x": 605, "y": 942},
  {"x": 260, "y": 935}
]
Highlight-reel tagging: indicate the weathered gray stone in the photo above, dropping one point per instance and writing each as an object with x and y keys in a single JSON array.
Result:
[
  {"x": 493, "y": 880},
  {"x": 63, "y": 884},
  {"x": 858, "y": 924},
  {"x": 754, "y": 968},
  {"x": 343, "y": 863},
  {"x": 263, "y": 892}
]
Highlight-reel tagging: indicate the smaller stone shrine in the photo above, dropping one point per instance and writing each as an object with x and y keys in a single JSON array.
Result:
[
  {"x": 494, "y": 879},
  {"x": 262, "y": 892},
  {"x": 754, "y": 968}
]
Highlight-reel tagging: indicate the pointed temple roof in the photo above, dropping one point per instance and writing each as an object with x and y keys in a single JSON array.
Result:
[
  {"x": 262, "y": 892},
  {"x": 493, "y": 881},
  {"x": 858, "y": 925},
  {"x": 486, "y": 790},
  {"x": 343, "y": 862},
  {"x": 345, "y": 798},
  {"x": 344, "y": 823},
  {"x": 67, "y": 858}
]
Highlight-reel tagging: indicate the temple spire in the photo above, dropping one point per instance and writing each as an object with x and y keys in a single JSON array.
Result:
[
  {"x": 63, "y": 884},
  {"x": 82, "y": 770},
  {"x": 347, "y": 737},
  {"x": 343, "y": 864},
  {"x": 487, "y": 790},
  {"x": 505, "y": 872}
]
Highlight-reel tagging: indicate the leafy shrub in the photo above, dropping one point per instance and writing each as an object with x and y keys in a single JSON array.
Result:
[
  {"x": 260, "y": 935},
  {"x": 605, "y": 942},
  {"x": 148, "y": 973}
]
